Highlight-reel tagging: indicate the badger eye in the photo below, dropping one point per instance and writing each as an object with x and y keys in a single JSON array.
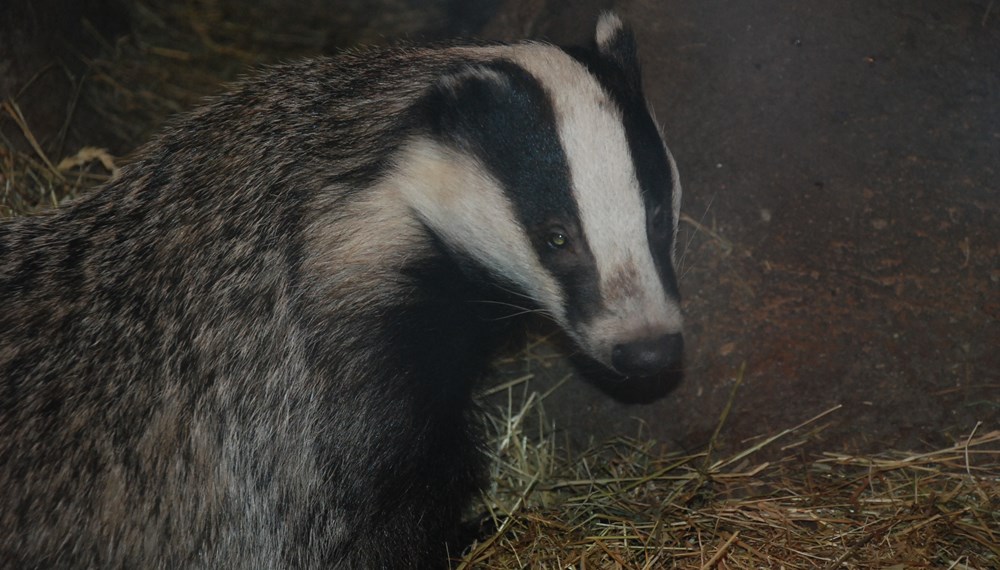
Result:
[{"x": 557, "y": 239}]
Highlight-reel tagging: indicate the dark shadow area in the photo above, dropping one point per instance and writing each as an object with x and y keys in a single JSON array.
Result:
[
  {"x": 45, "y": 50},
  {"x": 636, "y": 390}
]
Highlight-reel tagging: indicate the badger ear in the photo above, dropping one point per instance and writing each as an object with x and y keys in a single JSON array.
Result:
[{"x": 616, "y": 45}]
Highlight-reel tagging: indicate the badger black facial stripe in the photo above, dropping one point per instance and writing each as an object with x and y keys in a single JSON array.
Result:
[
  {"x": 608, "y": 187},
  {"x": 500, "y": 114},
  {"x": 655, "y": 167}
]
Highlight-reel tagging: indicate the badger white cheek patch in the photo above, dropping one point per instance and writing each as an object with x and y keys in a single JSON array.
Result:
[{"x": 454, "y": 195}]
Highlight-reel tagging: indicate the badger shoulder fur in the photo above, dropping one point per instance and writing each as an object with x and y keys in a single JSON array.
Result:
[{"x": 256, "y": 347}]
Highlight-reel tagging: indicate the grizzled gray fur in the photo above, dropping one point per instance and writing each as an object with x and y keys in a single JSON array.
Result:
[
  {"x": 166, "y": 345},
  {"x": 256, "y": 347}
]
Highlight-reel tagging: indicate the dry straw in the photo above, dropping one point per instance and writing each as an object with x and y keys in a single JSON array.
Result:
[{"x": 631, "y": 504}]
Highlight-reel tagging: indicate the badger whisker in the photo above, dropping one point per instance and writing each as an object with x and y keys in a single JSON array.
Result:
[
  {"x": 520, "y": 310},
  {"x": 684, "y": 270}
]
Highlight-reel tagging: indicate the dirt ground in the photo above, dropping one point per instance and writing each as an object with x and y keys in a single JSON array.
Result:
[{"x": 841, "y": 239}]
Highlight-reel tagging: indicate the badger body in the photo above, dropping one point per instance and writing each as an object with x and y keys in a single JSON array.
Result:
[{"x": 256, "y": 348}]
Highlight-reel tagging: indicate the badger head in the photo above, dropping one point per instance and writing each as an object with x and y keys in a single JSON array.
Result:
[{"x": 546, "y": 168}]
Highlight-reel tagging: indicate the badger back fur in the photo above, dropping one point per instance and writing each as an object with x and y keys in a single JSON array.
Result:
[{"x": 256, "y": 347}]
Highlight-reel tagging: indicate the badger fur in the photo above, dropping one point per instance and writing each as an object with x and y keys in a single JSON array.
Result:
[{"x": 256, "y": 347}]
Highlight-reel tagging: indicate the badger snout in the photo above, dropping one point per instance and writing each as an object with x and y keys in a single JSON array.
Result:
[{"x": 647, "y": 356}]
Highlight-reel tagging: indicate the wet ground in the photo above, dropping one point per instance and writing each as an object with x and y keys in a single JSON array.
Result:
[{"x": 841, "y": 242}]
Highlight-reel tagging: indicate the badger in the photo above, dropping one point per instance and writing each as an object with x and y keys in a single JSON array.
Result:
[{"x": 257, "y": 347}]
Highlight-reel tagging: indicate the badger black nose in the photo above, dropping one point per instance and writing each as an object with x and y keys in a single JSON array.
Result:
[{"x": 647, "y": 356}]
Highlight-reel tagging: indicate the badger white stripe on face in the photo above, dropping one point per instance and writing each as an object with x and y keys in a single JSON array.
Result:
[{"x": 609, "y": 201}]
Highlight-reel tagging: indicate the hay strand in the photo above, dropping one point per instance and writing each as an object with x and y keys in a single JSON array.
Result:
[{"x": 629, "y": 504}]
